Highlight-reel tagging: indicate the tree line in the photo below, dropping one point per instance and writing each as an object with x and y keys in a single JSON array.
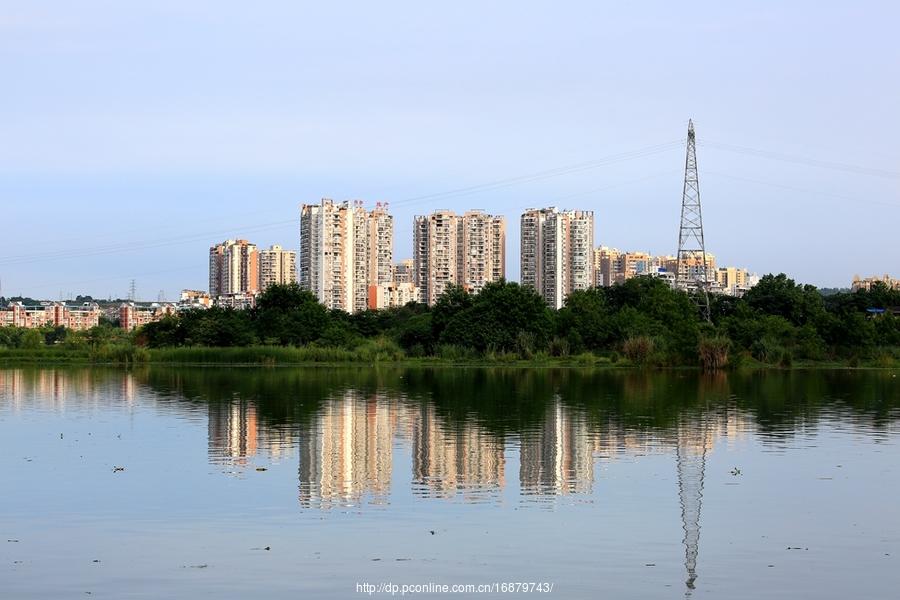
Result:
[{"x": 642, "y": 320}]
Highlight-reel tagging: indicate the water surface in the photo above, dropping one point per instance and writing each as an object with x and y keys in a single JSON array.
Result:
[{"x": 289, "y": 483}]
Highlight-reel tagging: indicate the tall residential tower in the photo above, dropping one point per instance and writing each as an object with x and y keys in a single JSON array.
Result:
[
  {"x": 233, "y": 268},
  {"x": 277, "y": 266},
  {"x": 344, "y": 249},
  {"x": 468, "y": 250},
  {"x": 557, "y": 252}
]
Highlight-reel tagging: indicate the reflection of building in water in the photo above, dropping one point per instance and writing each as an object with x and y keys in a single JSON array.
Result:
[
  {"x": 557, "y": 458},
  {"x": 128, "y": 388},
  {"x": 51, "y": 388},
  {"x": 12, "y": 388},
  {"x": 232, "y": 432},
  {"x": 346, "y": 451},
  {"x": 277, "y": 442},
  {"x": 447, "y": 460}
]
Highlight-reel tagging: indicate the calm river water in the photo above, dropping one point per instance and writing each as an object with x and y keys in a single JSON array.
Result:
[{"x": 318, "y": 482}]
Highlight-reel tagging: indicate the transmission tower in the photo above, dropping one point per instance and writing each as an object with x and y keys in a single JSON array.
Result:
[
  {"x": 691, "y": 271},
  {"x": 132, "y": 291}
]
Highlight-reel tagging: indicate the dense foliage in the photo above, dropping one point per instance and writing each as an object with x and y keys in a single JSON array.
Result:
[{"x": 642, "y": 321}]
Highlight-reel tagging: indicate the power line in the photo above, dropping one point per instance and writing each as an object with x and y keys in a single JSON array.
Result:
[
  {"x": 812, "y": 162},
  {"x": 132, "y": 246},
  {"x": 799, "y": 189},
  {"x": 546, "y": 174},
  {"x": 457, "y": 192}
]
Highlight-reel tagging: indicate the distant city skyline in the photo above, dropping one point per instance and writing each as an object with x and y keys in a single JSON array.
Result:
[{"x": 127, "y": 153}]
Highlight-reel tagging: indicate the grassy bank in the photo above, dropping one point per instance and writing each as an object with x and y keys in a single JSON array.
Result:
[
  {"x": 384, "y": 352},
  {"x": 367, "y": 354}
]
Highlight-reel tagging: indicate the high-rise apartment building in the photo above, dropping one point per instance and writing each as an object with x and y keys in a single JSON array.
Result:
[
  {"x": 381, "y": 245},
  {"x": 692, "y": 267},
  {"x": 343, "y": 250},
  {"x": 482, "y": 249},
  {"x": 403, "y": 271},
  {"x": 633, "y": 264},
  {"x": 557, "y": 252},
  {"x": 233, "y": 268},
  {"x": 733, "y": 281},
  {"x": 277, "y": 266},
  {"x": 449, "y": 249},
  {"x": 606, "y": 266},
  {"x": 392, "y": 295}
]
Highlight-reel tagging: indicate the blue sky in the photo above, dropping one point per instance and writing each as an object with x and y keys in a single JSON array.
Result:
[{"x": 132, "y": 137}]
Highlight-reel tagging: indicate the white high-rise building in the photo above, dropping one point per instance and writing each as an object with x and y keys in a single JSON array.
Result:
[
  {"x": 233, "y": 268},
  {"x": 449, "y": 249},
  {"x": 344, "y": 249},
  {"x": 557, "y": 252},
  {"x": 277, "y": 266}
]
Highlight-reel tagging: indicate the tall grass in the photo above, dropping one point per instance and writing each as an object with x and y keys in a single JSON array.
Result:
[
  {"x": 713, "y": 351},
  {"x": 375, "y": 350},
  {"x": 115, "y": 353},
  {"x": 638, "y": 349}
]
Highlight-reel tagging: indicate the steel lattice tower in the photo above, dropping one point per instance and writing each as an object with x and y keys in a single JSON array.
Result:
[{"x": 691, "y": 271}]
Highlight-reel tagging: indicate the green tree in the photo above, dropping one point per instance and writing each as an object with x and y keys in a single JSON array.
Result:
[
  {"x": 286, "y": 314},
  {"x": 585, "y": 320},
  {"x": 454, "y": 300},
  {"x": 32, "y": 339},
  {"x": 779, "y": 295},
  {"x": 503, "y": 316}
]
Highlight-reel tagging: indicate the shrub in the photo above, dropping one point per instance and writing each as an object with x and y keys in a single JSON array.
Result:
[
  {"x": 380, "y": 349},
  {"x": 454, "y": 352},
  {"x": 559, "y": 347},
  {"x": 525, "y": 344},
  {"x": 714, "y": 352},
  {"x": 638, "y": 349},
  {"x": 787, "y": 359},
  {"x": 766, "y": 349}
]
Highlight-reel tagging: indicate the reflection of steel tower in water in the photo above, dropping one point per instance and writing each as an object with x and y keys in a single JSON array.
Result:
[{"x": 691, "y": 456}]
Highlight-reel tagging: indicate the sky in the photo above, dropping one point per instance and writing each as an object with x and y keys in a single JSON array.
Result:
[{"x": 135, "y": 135}]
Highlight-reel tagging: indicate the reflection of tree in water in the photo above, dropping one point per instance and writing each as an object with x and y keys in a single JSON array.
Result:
[{"x": 343, "y": 420}]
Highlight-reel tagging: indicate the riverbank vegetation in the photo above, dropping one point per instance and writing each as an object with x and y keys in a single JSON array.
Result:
[{"x": 640, "y": 322}]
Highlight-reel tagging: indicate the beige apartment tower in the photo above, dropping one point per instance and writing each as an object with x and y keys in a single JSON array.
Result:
[
  {"x": 233, "y": 268},
  {"x": 607, "y": 269},
  {"x": 449, "y": 249},
  {"x": 557, "y": 252},
  {"x": 277, "y": 266},
  {"x": 343, "y": 250}
]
